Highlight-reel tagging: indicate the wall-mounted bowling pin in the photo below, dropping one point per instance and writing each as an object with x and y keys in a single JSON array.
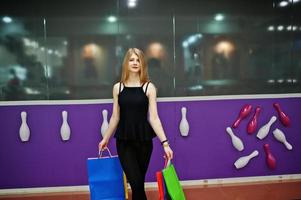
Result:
[
  {"x": 24, "y": 131},
  {"x": 285, "y": 120},
  {"x": 236, "y": 142},
  {"x": 252, "y": 125},
  {"x": 264, "y": 130},
  {"x": 105, "y": 124},
  {"x": 65, "y": 128},
  {"x": 279, "y": 135},
  {"x": 184, "y": 125},
  {"x": 244, "y": 160},
  {"x": 244, "y": 112},
  {"x": 270, "y": 159}
]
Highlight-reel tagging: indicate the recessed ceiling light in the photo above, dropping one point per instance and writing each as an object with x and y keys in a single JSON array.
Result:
[
  {"x": 271, "y": 28},
  {"x": 219, "y": 17},
  {"x": 7, "y": 19},
  {"x": 132, "y": 3},
  {"x": 283, "y": 3},
  {"x": 112, "y": 19},
  {"x": 280, "y": 28}
]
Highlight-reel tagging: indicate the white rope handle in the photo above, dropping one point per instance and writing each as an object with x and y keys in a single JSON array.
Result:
[{"x": 100, "y": 152}]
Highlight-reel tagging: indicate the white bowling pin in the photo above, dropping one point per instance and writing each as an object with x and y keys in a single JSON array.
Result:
[
  {"x": 264, "y": 130},
  {"x": 65, "y": 128},
  {"x": 105, "y": 124},
  {"x": 244, "y": 160},
  {"x": 24, "y": 131},
  {"x": 279, "y": 135},
  {"x": 236, "y": 142},
  {"x": 184, "y": 126}
]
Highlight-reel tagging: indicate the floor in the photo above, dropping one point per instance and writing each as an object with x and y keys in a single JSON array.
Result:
[{"x": 280, "y": 190}]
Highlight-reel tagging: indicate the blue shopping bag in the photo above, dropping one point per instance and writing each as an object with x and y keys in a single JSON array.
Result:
[{"x": 105, "y": 178}]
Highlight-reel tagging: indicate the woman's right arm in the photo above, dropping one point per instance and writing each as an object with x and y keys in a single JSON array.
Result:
[{"x": 114, "y": 119}]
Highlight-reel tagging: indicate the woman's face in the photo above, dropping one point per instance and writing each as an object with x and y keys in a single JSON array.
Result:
[{"x": 134, "y": 64}]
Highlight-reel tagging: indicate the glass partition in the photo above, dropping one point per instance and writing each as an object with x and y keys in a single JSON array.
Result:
[
  {"x": 23, "y": 68},
  {"x": 83, "y": 57},
  {"x": 154, "y": 36},
  {"x": 193, "y": 48}
]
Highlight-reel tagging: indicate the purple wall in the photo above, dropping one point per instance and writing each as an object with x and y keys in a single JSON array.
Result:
[{"x": 206, "y": 153}]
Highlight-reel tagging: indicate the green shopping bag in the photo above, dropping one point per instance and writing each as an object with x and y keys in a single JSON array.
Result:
[{"x": 172, "y": 183}]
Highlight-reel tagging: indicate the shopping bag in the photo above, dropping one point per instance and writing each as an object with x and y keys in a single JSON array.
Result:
[
  {"x": 160, "y": 180},
  {"x": 172, "y": 183},
  {"x": 106, "y": 181},
  {"x": 125, "y": 182},
  {"x": 166, "y": 194},
  {"x": 161, "y": 185}
]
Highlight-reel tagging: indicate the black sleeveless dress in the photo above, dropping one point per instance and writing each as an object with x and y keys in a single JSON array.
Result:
[{"x": 133, "y": 123}]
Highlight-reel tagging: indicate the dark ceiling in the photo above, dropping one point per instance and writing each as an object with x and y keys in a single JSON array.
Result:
[{"x": 93, "y": 8}]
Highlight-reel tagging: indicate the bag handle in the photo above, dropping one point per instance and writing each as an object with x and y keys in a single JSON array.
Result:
[
  {"x": 100, "y": 152},
  {"x": 166, "y": 162}
]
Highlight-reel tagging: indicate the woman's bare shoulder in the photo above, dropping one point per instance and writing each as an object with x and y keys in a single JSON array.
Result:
[
  {"x": 151, "y": 90},
  {"x": 116, "y": 87},
  {"x": 151, "y": 86}
]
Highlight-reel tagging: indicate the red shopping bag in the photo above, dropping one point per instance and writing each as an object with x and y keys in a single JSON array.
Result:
[
  {"x": 163, "y": 194},
  {"x": 160, "y": 184}
]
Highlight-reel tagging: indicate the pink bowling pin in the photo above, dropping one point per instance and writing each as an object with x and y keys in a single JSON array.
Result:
[
  {"x": 252, "y": 125},
  {"x": 285, "y": 120},
  {"x": 244, "y": 112},
  {"x": 270, "y": 159}
]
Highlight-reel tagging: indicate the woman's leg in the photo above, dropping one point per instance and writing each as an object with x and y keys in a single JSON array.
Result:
[
  {"x": 134, "y": 159},
  {"x": 144, "y": 152}
]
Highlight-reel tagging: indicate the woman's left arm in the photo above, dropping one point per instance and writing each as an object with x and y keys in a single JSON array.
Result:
[{"x": 155, "y": 121}]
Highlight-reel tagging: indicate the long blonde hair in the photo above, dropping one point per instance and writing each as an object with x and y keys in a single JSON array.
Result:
[{"x": 125, "y": 65}]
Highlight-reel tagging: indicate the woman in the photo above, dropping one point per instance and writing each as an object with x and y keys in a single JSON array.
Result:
[{"x": 134, "y": 97}]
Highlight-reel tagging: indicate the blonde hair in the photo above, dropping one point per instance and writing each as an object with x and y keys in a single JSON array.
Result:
[{"x": 125, "y": 65}]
